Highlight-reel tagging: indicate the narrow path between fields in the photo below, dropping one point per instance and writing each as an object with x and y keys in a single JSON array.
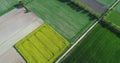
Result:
[{"x": 87, "y": 31}]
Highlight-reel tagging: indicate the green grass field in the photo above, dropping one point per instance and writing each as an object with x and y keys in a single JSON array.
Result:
[
  {"x": 7, "y": 5},
  {"x": 107, "y": 3},
  {"x": 114, "y": 15},
  {"x": 117, "y": 8},
  {"x": 43, "y": 45},
  {"x": 99, "y": 46},
  {"x": 65, "y": 20}
]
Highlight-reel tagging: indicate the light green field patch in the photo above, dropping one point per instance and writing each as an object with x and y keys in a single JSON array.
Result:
[
  {"x": 117, "y": 8},
  {"x": 43, "y": 45},
  {"x": 107, "y": 3},
  {"x": 114, "y": 15},
  {"x": 7, "y": 5},
  {"x": 27, "y": 1}
]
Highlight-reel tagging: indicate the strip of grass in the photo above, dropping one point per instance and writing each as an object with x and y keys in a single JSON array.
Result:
[
  {"x": 65, "y": 20},
  {"x": 7, "y": 5},
  {"x": 114, "y": 15},
  {"x": 44, "y": 45},
  {"x": 107, "y": 3},
  {"x": 27, "y": 1},
  {"x": 95, "y": 10},
  {"x": 117, "y": 8},
  {"x": 99, "y": 46}
]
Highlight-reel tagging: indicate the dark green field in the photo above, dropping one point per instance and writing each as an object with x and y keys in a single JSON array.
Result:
[
  {"x": 99, "y": 46},
  {"x": 65, "y": 20}
]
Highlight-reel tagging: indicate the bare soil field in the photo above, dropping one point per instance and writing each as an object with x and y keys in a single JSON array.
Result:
[
  {"x": 15, "y": 25},
  {"x": 11, "y": 56}
]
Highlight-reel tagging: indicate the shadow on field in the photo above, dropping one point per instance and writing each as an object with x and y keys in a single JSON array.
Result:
[
  {"x": 111, "y": 27},
  {"x": 79, "y": 9}
]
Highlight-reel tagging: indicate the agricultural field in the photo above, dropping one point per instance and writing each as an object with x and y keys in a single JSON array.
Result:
[
  {"x": 92, "y": 5},
  {"x": 7, "y": 5},
  {"x": 27, "y": 1},
  {"x": 11, "y": 56},
  {"x": 59, "y": 31},
  {"x": 65, "y": 20},
  {"x": 99, "y": 46},
  {"x": 17, "y": 25},
  {"x": 114, "y": 15},
  {"x": 107, "y": 3},
  {"x": 44, "y": 45}
]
